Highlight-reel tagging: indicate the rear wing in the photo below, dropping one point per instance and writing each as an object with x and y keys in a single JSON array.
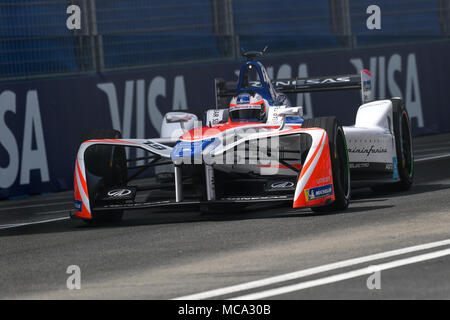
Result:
[{"x": 363, "y": 82}]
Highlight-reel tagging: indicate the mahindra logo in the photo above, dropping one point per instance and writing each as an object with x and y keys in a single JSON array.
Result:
[
  {"x": 282, "y": 185},
  {"x": 119, "y": 193}
]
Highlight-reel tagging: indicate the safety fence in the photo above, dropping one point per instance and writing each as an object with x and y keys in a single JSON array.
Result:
[{"x": 124, "y": 34}]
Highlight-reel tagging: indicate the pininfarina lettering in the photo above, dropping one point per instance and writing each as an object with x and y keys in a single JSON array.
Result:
[{"x": 367, "y": 151}]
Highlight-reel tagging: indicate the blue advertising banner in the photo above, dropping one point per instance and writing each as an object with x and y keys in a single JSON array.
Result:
[{"x": 41, "y": 121}]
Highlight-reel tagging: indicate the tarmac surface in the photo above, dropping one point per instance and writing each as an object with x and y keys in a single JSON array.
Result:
[{"x": 397, "y": 243}]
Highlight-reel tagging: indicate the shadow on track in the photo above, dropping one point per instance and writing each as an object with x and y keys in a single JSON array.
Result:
[
  {"x": 140, "y": 219},
  {"x": 367, "y": 195}
]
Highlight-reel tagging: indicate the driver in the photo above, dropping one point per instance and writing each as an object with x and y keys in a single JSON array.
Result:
[{"x": 248, "y": 107}]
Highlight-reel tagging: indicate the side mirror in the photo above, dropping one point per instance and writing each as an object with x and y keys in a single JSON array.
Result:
[
  {"x": 172, "y": 118},
  {"x": 289, "y": 112},
  {"x": 174, "y": 121}
]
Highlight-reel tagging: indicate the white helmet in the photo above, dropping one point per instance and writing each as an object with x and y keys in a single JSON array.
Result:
[{"x": 248, "y": 107}]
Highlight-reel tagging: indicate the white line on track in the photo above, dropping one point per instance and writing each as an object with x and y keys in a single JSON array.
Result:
[
  {"x": 310, "y": 271},
  {"x": 343, "y": 276},
  {"x": 16, "y": 225},
  {"x": 37, "y": 205},
  {"x": 441, "y": 156}
]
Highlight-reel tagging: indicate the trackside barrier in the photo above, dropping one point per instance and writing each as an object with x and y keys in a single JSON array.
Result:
[{"x": 41, "y": 121}]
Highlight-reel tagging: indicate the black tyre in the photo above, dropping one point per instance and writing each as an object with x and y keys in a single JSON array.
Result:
[
  {"x": 339, "y": 161},
  {"x": 403, "y": 148},
  {"x": 403, "y": 145},
  {"x": 106, "y": 168}
]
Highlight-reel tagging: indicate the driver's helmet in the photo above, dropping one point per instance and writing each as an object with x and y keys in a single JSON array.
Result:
[{"x": 248, "y": 107}]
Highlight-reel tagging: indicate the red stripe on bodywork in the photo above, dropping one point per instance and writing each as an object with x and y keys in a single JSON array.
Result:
[
  {"x": 308, "y": 164},
  {"x": 85, "y": 214},
  {"x": 83, "y": 181},
  {"x": 280, "y": 166},
  {"x": 247, "y": 104},
  {"x": 321, "y": 176}
]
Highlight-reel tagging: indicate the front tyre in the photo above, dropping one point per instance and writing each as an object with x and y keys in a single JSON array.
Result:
[{"x": 339, "y": 161}]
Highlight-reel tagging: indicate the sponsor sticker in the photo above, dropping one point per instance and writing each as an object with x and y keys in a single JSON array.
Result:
[
  {"x": 155, "y": 145},
  {"x": 245, "y": 107},
  {"x": 395, "y": 173},
  {"x": 79, "y": 205},
  {"x": 189, "y": 148},
  {"x": 319, "y": 192},
  {"x": 243, "y": 98},
  {"x": 359, "y": 165},
  {"x": 256, "y": 198},
  {"x": 215, "y": 117},
  {"x": 120, "y": 194},
  {"x": 280, "y": 185},
  {"x": 323, "y": 180}
]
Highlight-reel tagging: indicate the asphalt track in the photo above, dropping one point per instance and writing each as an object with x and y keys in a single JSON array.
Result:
[{"x": 271, "y": 253}]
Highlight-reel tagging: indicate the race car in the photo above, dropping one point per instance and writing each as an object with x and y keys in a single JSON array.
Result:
[{"x": 253, "y": 148}]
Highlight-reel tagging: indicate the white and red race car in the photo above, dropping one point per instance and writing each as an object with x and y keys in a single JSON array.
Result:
[{"x": 258, "y": 149}]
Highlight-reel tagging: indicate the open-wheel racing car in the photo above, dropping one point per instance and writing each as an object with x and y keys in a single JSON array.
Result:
[{"x": 258, "y": 149}]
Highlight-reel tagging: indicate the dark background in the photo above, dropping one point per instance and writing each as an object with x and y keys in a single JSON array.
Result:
[{"x": 143, "y": 43}]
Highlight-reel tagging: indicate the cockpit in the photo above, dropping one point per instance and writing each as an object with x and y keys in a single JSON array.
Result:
[{"x": 253, "y": 77}]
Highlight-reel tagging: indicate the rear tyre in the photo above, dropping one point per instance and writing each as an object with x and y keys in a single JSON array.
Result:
[
  {"x": 106, "y": 168},
  {"x": 339, "y": 161},
  {"x": 403, "y": 147}
]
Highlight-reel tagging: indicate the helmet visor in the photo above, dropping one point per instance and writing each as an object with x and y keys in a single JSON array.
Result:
[{"x": 253, "y": 114}]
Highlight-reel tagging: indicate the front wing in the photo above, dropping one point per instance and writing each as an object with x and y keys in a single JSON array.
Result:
[{"x": 313, "y": 184}]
